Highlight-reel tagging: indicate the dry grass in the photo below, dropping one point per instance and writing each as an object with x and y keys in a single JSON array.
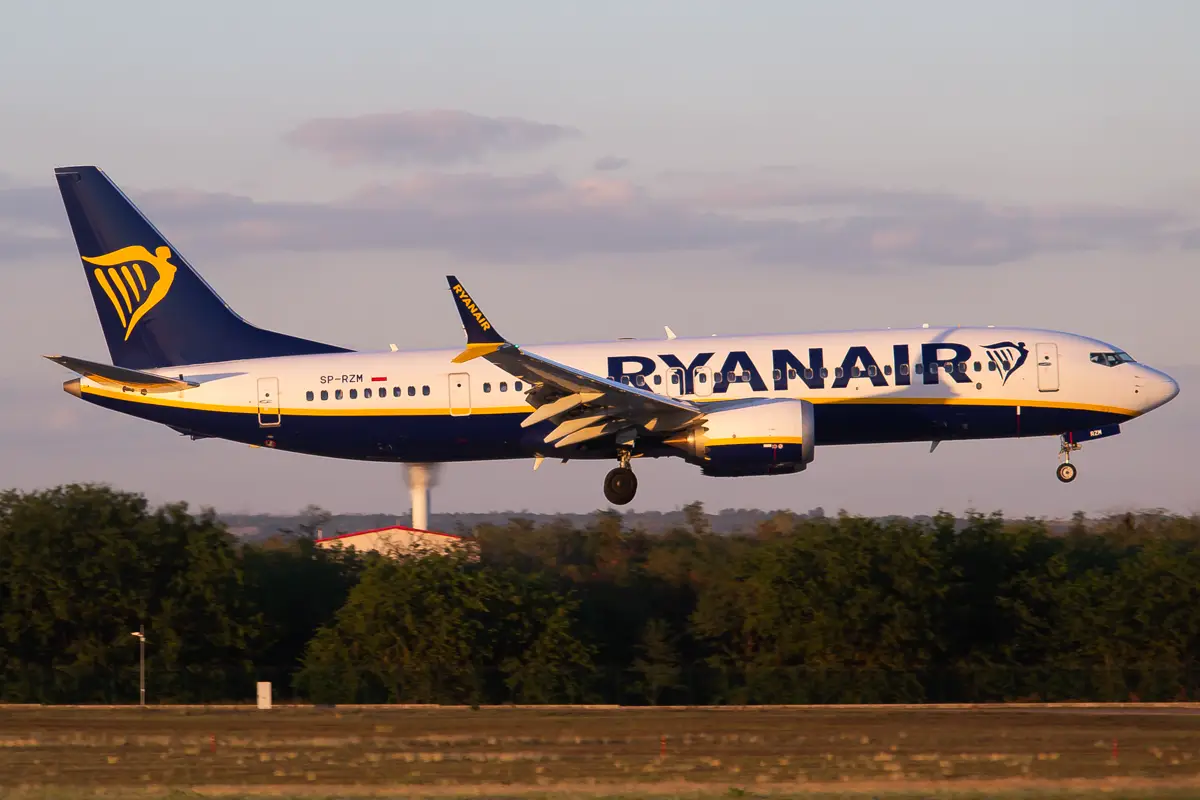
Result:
[{"x": 52, "y": 753}]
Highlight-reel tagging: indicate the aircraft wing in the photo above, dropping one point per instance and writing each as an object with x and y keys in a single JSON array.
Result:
[
  {"x": 121, "y": 376},
  {"x": 586, "y": 406}
]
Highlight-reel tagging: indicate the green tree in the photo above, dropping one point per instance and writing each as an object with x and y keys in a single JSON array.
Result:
[{"x": 82, "y": 566}]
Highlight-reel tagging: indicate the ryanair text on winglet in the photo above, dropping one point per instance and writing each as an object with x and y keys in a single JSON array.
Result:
[{"x": 470, "y": 304}]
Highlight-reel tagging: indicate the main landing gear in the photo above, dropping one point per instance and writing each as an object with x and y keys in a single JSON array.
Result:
[
  {"x": 620, "y": 485},
  {"x": 1066, "y": 470}
]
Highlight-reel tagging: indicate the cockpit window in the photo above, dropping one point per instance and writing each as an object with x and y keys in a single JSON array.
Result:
[{"x": 1112, "y": 359}]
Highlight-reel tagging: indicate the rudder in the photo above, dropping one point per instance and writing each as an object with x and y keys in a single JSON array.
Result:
[{"x": 154, "y": 308}]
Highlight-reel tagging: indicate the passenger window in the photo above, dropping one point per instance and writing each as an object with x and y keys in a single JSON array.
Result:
[
  {"x": 872, "y": 371},
  {"x": 716, "y": 378},
  {"x": 808, "y": 374},
  {"x": 641, "y": 380},
  {"x": 978, "y": 367},
  {"x": 855, "y": 372},
  {"x": 824, "y": 372},
  {"x": 777, "y": 374},
  {"x": 791, "y": 374},
  {"x": 367, "y": 393},
  {"x": 354, "y": 394},
  {"x": 675, "y": 378},
  {"x": 962, "y": 366},
  {"x": 624, "y": 380},
  {"x": 504, "y": 385},
  {"x": 887, "y": 369},
  {"x": 918, "y": 368},
  {"x": 412, "y": 391},
  {"x": 838, "y": 372},
  {"x": 395, "y": 391},
  {"x": 425, "y": 390},
  {"x": 732, "y": 376},
  {"x": 703, "y": 378},
  {"x": 903, "y": 369},
  {"x": 487, "y": 387},
  {"x": 337, "y": 394},
  {"x": 308, "y": 396},
  {"x": 658, "y": 380},
  {"x": 324, "y": 394},
  {"x": 517, "y": 386},
  {"x": 992, "y": 366}
]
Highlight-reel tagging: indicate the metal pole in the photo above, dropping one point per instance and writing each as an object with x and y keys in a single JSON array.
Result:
[
  {"x": 140, "y": 633},
  {"x": 142, "y": 664}
]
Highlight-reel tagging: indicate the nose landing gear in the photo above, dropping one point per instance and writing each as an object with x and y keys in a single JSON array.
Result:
[
  {"x": 620, "y": 485},
  {"x": 1066, "y": 470}
]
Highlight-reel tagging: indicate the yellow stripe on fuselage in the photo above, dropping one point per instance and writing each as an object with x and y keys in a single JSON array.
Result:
[
  {"x": 252, "y": 407},
  {"x": 950, "y": 401},
  {"x": 347, "y": 410},
  {"x": 754, "y": 440}
]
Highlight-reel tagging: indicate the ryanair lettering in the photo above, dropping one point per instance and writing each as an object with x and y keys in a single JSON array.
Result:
[
  {"x": 938, "y": 362},
  {"x": 466, "y": 300}
]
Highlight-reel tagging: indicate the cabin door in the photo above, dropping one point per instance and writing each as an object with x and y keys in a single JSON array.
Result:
[
  {"x": 268, "y": 403},
  {"x": 460, "y": 394},
  {"x": 1047, "y": 366}
]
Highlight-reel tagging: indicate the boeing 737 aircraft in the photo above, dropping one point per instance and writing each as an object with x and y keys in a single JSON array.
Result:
[{"x": 733, "y": 406}]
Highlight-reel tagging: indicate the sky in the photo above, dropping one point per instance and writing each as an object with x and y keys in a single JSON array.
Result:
[{"x": 594, "y": 171}]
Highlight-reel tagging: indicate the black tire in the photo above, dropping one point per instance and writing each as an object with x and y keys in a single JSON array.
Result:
[
  {"x": 620, "y": 486},
  {"x": 1066, "y": 472}
]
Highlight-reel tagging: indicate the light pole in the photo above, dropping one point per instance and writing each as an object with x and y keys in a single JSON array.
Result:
[{"x": 140, "y": 634}]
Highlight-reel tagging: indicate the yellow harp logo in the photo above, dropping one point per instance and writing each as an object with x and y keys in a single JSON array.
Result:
[{"x": 122, "y": 276}]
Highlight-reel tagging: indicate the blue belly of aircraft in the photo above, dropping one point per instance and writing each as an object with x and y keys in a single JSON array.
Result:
[{"x": 479, "y": 437}]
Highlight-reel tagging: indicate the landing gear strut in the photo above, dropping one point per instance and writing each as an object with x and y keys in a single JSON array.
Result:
[
  {"x": 1066, "y": 470},
  {"x": 620, "y": 485}
]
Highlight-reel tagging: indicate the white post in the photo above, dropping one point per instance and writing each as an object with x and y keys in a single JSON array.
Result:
[
  {"x": 421, "y": 478},
  {"x": 264, "y": 695}
]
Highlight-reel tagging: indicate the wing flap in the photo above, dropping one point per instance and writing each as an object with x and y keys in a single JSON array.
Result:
[{"x": 109, "y": 375}]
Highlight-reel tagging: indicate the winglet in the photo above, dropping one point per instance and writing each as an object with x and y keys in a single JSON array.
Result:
[{"x": 482, "y": 338}]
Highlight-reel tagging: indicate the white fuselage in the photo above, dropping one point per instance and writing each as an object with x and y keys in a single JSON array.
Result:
[{"x": 866, "y": 386}]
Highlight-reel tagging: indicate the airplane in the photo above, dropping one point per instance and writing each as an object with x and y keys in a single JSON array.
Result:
[{"x": 730, "y": 405}]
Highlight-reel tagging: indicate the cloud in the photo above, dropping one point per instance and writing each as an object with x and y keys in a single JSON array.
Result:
[
  {"x": 438, "y": 137},
  {"x": 610, "y": 163},
  {"x": 545, "y": 216}
]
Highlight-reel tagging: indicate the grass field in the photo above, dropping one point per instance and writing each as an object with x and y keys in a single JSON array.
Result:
[{"x": 443, "y": 752}]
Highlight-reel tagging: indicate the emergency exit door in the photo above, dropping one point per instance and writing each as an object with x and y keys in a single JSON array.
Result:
[
  {"x": 1047, "y": 366},
  {"x": 460, "y": 394},
  {"x": 268, "y": 403}
]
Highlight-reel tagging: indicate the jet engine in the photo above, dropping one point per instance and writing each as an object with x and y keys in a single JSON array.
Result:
[{"x": 751, "y": 437}]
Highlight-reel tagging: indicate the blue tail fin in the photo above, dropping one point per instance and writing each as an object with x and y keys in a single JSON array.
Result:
[{"x": 156, "y": 311}]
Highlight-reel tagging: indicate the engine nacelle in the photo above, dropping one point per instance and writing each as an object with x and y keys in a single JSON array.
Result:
[{"x": 754, "y": 437}]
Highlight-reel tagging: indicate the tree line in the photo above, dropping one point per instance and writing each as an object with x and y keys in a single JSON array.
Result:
[{"x": 795, "y": 610}]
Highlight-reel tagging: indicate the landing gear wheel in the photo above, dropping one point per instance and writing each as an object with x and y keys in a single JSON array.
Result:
[
  {"x": 620, "y": 486},
  {"x": 1066, "y": 472}
]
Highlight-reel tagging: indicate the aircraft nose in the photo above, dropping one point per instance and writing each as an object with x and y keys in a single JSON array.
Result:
[{"x": 1157, "y": 388}]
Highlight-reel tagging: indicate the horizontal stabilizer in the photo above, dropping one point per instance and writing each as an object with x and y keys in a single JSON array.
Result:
[{"x": 121, "y": 376}]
